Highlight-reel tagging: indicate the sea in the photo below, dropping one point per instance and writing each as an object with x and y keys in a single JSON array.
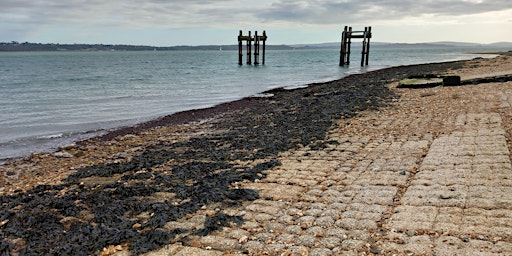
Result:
[{"x": 53, "y": 99}]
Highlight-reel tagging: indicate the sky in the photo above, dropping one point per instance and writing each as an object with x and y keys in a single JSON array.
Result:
[{"x": 217, "y": 22}]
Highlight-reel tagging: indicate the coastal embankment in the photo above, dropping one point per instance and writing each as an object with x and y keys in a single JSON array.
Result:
[{"x": 351, "y": 166}]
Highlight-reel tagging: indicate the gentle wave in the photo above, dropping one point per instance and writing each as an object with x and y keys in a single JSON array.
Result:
[
  {"x": 43, "y": 143},
  {"x": 51, "y": 136}
]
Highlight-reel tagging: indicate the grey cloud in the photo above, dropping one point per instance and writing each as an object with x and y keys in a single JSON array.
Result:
[
  {"x": 329, "y": 11},
  {"x": 210, "y": 13},
  {"x": 147, "y": 13},
  {"x": 47, "y": 12}
]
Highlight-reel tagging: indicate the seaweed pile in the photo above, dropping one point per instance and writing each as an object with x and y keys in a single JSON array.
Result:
[{"x": 82, "y": 218}]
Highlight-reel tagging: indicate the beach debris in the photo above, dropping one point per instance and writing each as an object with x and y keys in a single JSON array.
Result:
[
  {"x": 451, "y": 80},
  {"x": 419, "y": 83},
  {"x": 428, "y": 81}
]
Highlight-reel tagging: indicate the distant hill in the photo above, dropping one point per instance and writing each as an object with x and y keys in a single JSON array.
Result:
[
  {"x": 442, "y": 44},
  {"x": 501, "y": 44},
  {"x": 458, "y": 44},
  {"x": 15, "y": 46}
]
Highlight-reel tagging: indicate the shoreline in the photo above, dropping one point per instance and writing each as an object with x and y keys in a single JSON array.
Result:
[
  {"x": 181, "y": 117},
  {"x": 185, "y": 180},
  {"x": 200, "y": 114},
  {"x": 41, "y": 147},
  {"x": 195, "y": 115}
]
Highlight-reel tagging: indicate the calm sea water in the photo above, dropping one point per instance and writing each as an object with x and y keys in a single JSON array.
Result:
[{"x": 50, "y": 99}]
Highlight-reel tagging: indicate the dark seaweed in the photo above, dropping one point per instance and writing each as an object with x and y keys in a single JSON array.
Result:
[{"x": 49, "y": 218}]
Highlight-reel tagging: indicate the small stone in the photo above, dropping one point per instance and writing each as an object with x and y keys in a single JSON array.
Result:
[
  {"x": 63, "y": 154},
  {"x": 496, "y": 239},
  {"x": 69, "y": 147},
  {"x": 243, "y": 239},
  {"x": 287, "y": 253},
  {"x": 195, "y": 244},
  {"x": 404, "y": 172},
  {"x": 79, "y": 154},
  {"x": 3, "y": 222},
  {"x": 111, "y": 249}
]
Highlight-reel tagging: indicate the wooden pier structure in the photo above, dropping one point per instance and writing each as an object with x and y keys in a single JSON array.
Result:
[
  {"x": 249, "y": 39},
  {"x": 346, "y": 37}
]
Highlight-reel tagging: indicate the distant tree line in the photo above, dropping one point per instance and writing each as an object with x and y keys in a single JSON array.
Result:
[
  {"x": 14, "y": 46},
  {"x": 26, "y": 46}
]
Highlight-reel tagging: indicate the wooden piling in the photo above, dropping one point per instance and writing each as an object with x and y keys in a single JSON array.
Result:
[
  {"x": 248, "y": 39},
  {"x": 346, "y": 41},
  {"x": 363, "y": 51},
  {"x": 240, "y": 50},
  {"x": 256, "y": 48},
  {"x": 342, "y": 47},
  {"x": 349, "y": 42},
  {"x": 369, "y": 36},
  {"x": 264, "y": 40}
]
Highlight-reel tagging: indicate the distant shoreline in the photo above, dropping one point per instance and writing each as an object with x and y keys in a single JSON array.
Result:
[
  {"x": 34, "y": 47},
  {"x": 39, "y": 47}
]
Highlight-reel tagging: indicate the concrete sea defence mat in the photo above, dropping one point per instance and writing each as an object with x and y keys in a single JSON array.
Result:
[{"x": 128, "y": 199}]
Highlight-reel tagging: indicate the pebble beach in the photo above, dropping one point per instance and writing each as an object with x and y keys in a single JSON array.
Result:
[{"x": 356, "y": 166}]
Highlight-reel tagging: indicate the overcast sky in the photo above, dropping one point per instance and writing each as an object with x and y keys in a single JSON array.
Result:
[{"x": 198, "y": 22}]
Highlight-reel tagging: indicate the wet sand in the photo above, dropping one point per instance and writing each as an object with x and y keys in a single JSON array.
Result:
[{"x": 178, "y": 184}]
